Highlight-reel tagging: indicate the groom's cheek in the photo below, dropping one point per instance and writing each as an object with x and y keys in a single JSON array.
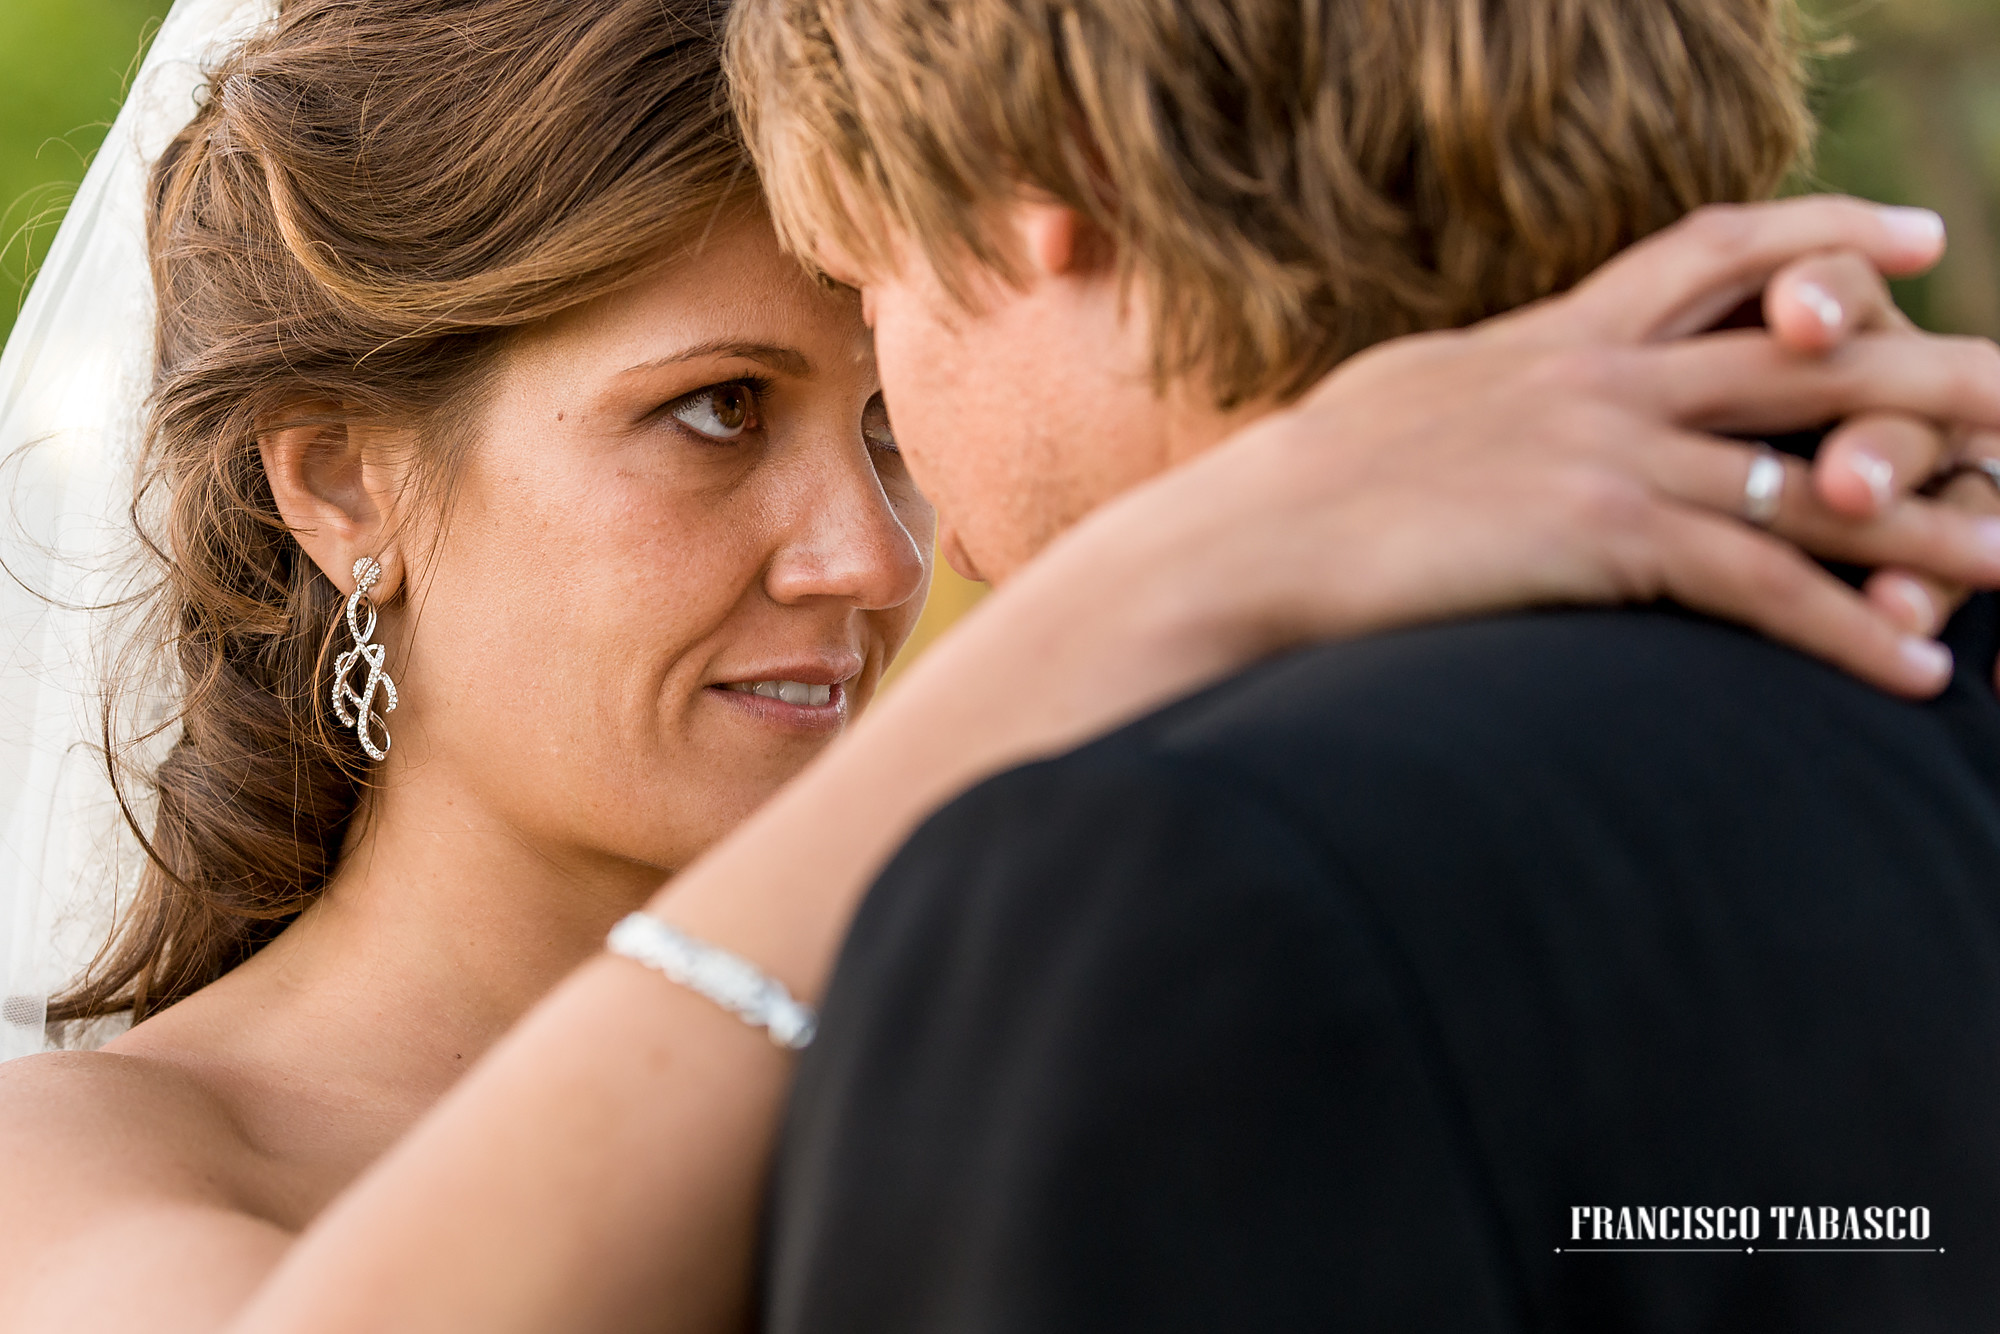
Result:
[{"x": 933, "y": 411}]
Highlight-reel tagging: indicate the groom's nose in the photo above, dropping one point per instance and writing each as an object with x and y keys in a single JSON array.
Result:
[{"x": 843, "y": 539}]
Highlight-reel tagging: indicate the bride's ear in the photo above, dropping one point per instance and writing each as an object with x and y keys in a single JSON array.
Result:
[{"x": 336, "y": 489}]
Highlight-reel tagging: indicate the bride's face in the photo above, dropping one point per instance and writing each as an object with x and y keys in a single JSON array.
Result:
[{"x": 680, "y": 552}]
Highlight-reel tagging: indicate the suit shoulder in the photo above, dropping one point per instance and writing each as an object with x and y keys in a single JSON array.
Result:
[
  {"x": 1106, "y": 838},
  {"x": 1463, "y": 707},
  {"x": 1523, "y": 667},
  {"x": 1412, "y": 706}
]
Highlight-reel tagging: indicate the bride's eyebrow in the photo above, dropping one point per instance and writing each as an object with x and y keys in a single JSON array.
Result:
[{"x": 785, "y": 360}]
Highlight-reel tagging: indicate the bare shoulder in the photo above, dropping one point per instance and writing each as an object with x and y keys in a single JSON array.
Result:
[
  {"x": 77, "y": 1117},
  {"x": 119, "y": 1166}
]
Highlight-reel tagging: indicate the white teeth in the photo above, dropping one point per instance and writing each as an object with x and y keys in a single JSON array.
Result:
[{"x": 790, "y": 692}]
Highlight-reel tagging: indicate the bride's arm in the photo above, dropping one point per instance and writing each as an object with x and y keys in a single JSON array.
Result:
[{"x": 600, "y": 1169}]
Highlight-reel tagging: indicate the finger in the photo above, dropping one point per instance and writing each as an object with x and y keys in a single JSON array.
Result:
[
  {"x": 1714, "y": 474},
  {"x": 1974, "y": 443},
  {"x": 1684, "y": 279},
  {"x": 1867, "y": 462},
  {"x": 1945, "y": 540},
  {"x": 1742, "y": 383},
  {"x": 1924, "y": 594},
  {"x": 1917, "y": 604},
  {"x": 1951, "y": 540},
  {"x": 1737, "y": 573},
  {"x": 1914, "y": 454},
  {"x": 1815, "y": 302}
]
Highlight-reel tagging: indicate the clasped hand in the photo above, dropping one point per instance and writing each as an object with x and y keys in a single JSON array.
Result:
[{"x": 1595, "y": 448}]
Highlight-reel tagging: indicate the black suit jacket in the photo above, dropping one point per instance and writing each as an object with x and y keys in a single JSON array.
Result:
[{"x": 1324, "y": 999}]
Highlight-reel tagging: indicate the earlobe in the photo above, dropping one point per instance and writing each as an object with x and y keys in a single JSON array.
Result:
[
  {"x": 1053, "y": 236},
  {"x": 330, "y": 494}
]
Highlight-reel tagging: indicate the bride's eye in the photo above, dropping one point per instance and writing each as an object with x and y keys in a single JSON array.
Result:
[
  {"x": 720, "y": 412},
  {"x": 875, "y": 428}
]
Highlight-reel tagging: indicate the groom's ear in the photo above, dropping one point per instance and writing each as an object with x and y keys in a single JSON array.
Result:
[
  {"x": 335, "y": 489},
  {"x": 1060, "y": 242}
]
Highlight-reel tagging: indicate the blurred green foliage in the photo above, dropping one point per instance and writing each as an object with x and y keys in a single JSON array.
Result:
[
  {"x": 63, "y": 69},
  {"x": 1912, "y": 115}
]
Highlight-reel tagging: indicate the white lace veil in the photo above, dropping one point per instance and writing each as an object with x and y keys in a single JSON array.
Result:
[{"x": 73, "y": 382}]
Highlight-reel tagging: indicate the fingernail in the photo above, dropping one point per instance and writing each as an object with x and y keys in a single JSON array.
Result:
[
  {"x": 1881, "y": 478},
  {"x": 1914, "y": 226},
  {"x": 1927, "y": 659},
  {"x": 1918, "y": 599},
  {"x": 1822, "y": 304},
  {"x": 1987, "y": 533}
]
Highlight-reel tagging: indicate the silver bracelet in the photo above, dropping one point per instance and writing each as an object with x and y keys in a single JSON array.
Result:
[{"x": 730, "y": 980}]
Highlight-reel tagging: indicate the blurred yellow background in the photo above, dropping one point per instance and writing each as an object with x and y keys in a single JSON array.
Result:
[{"x": 1911, "y": 109}]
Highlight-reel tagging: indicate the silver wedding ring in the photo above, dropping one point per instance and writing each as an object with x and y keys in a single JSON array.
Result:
[{"x": 1764, "y": 488}]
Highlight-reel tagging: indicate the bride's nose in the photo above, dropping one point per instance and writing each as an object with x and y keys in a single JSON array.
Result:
[{"x": 843, "y": 539}]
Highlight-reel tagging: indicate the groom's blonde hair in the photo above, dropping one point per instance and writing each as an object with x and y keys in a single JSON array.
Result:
[{"x": 1296, "y": 179}]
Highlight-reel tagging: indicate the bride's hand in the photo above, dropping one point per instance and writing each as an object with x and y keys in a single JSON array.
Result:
[
  {"x": 1871, "y": 466},
  {"x": 1580, "y": 457}
]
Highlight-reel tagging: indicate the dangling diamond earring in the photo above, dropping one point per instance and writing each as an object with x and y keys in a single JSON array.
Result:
[{"x": 357, "y": 710}]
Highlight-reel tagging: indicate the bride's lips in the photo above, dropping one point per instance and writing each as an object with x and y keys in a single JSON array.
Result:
[{"x": 798, "y": 696}]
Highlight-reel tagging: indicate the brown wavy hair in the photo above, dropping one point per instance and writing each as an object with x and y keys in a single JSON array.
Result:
[
  {"x": 371, "y": 196},
  {"x": 1297, "y": 179}
]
